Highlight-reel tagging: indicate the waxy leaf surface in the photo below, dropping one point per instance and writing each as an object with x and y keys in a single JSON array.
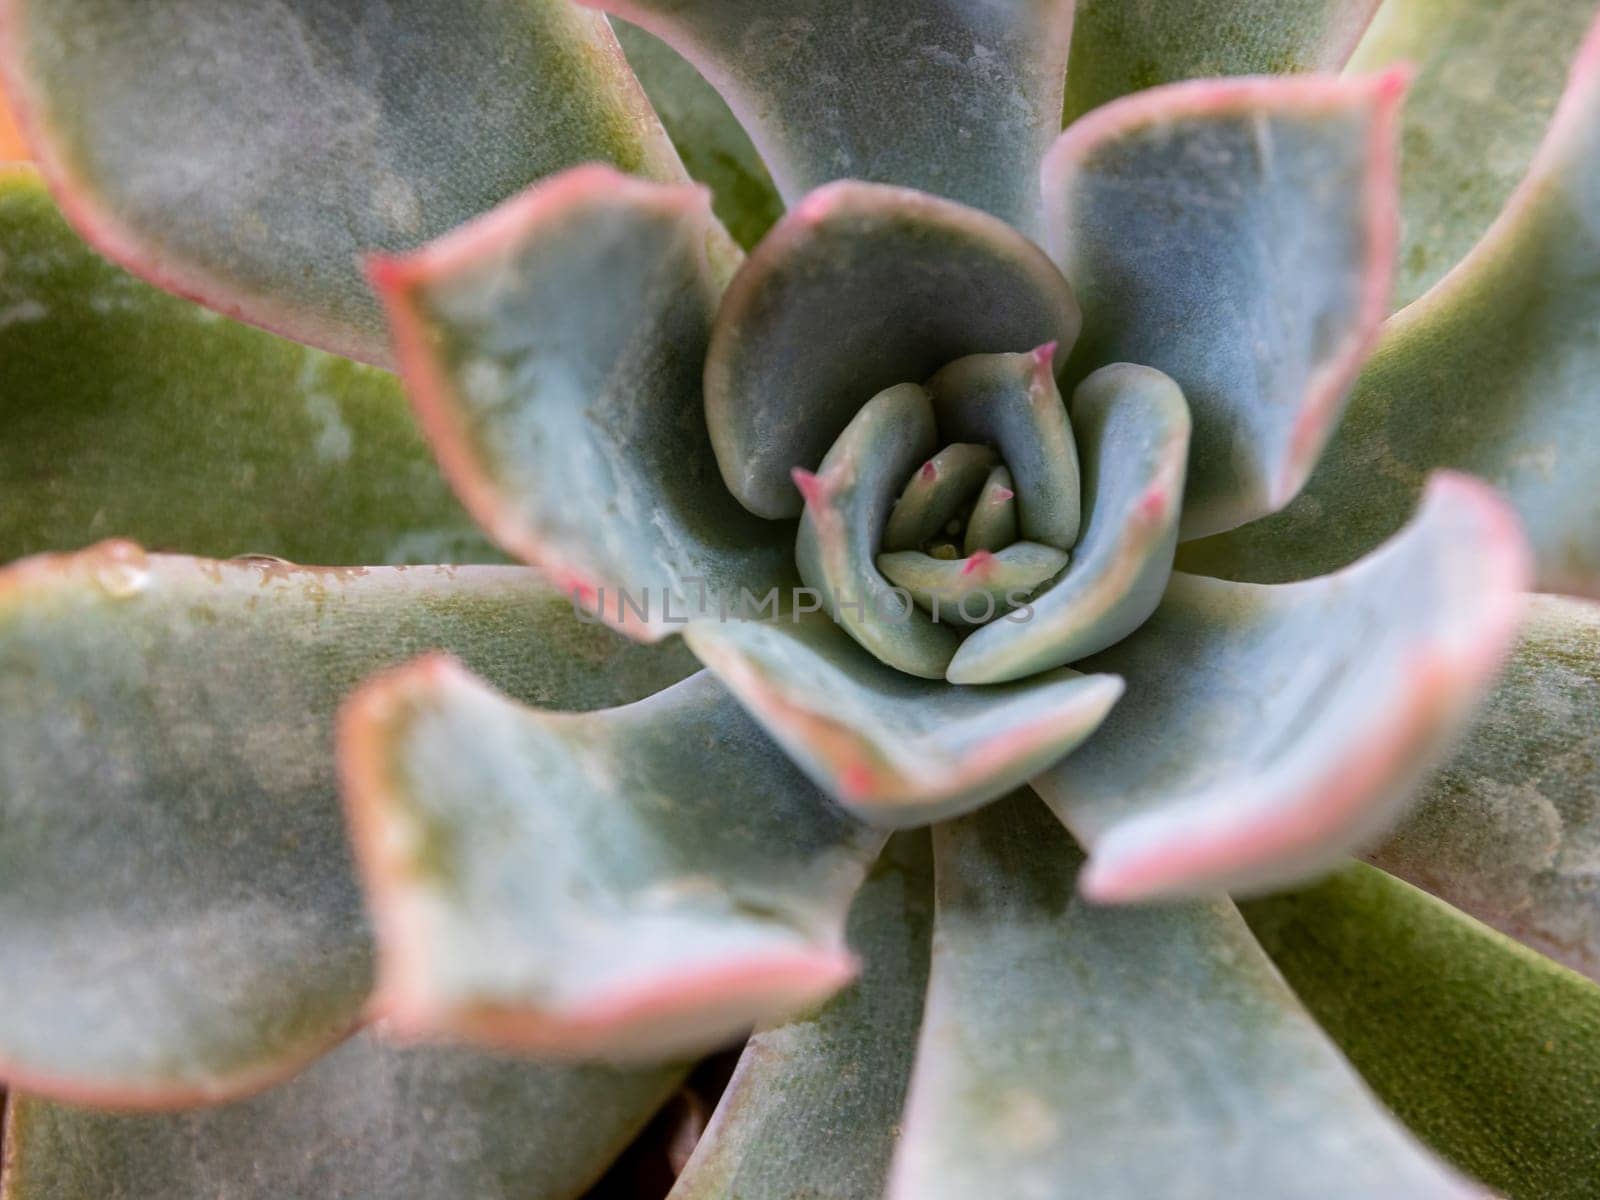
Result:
[
  {"x": 1269, "y": 729},
  {"x": 370, "y": 1119},
  {"x": 1070, "y": 1051},
  {"x": 130, "y": 413},
  {"x": 179, "y": 917},
  {"x": 1238, "y": 235},
  {"x": 574, "y": 427},
  {"x": 631, "y": 883},
  {"x": 946, "y": 96},
  {"x": 249, "y": 154}
]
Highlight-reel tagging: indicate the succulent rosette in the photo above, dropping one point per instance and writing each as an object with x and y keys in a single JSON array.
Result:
[{"x": 1007, "y": 502}]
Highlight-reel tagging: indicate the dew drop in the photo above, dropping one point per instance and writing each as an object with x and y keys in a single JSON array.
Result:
[{"x": 122, "y": 570}]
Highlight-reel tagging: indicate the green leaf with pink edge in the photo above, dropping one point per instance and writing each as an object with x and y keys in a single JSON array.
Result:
[
  {"x": 370, "y": 1119},
  {"x": 1488, "y": 1051},
  {"x": 1269, "y": 730},
  {"x": 1069, "y": 1050},
  {"x": 634, "y": 883},
  {"x": 1133, "y": 428},
  {"x": 179, "y": 917},
  {"x": 264, "y": 446},
  {"x": 1120, "y": 47},
  {"x": 713, "y": 145},
  {"x": 860, "y": 288},
  {"x": 813, "y": 1108},
  {"x": 893, "y": 749},
  {"x": 1488, "y": 75},
  {"x": 576, "y": 432},
  {"x": 1238, "y": 235},
  {"x": 1507, "y": 829},
  {"x": 950, "y": 97},
  {"x": 1491, "y": 372},
  {"x": 247, "y": 155}
]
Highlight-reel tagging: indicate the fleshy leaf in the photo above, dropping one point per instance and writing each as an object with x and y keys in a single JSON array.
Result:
[
  {"x": 1490, "y": 1052},
  {"x": 847, "y": 509},
  {"x": 179, "y": 918},
  {"x": 894, "y": 749},
  {"x": 1012, "y": 402},
  {"x": 1268, "y": 730},
  {"x": 368, "y": 1120},
  {"x": 1492, "y": 372},
  {"x": 859, "y": 288},
  {"x": 713, "y": 145},
  {"x": 953, "y": 98},
  {"x": 813, "y": 1108},
  {"x": 1238, "y": 235},
  {"x": 1120, "y": 47},
  {"x": 575, "y": 431},
  {"x": 637, "y": 882},
  {"x": 1488, "y": 76},
  {"x": 936, "y": 494},
  {"x": 248, "y": 154},
  {"x": 1507, "y": 829},
  {"x": 263, "y": 446},
  {"x": 1128, "y": 1053},
  {"x": 993, "y": 523},
  {"x": 1134, "y": 429},
  {"x": 975, "y": 589}
]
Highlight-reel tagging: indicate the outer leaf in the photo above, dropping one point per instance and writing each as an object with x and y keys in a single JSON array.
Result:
[
  {"x": 1507, "y": 830},
  {"x": 1488, "y": 76},
  {"x": 813, "y": 1108},
  {"x": 1134, "y": 427},
  {"x": 1129, "y": 1053},
  {"x": 368, "y": 1120},
  {"x": 1490, "y": 1052},
  {"x": 1268, "y": 730},
  {"x": 129, "y": 412},
  {"x": 1238, "y": 235},
  {"x": 894, "y": 749},
  {"x": 178, "y": 917},
  {"x": 950, "y": 97},
  {"x": 1120, "y": 47},
  {"x": 637, "y": 882},
  {"x": 858, "y": 289},
  {"x": 713, "y": 145},
  {"x": 247, "y": 154},
  {"x": 1491, "y": 372},
  {"x": 575, "y": 430}
]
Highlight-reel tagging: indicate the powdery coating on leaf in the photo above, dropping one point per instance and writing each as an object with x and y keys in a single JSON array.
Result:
[
  {"x": 553, "y": 349},
  {"x": 1269, "y": 730},
  {"x": 179, "y": 921},
  {"x": 893, "y": 749},
  {"x": 1238, "y": 235},
  {"x": 247, "y": 155},
  {"x": 369, "y": 1120},
  {"x": 1073, "y": 1051},
  {"x": 260, "y": 445},
  {"x": 858, "y": 289},
  {"x": 953, "y": 97},
  {"x": 636, "y": 883},
  {"x": 1488, "y": 77},
  {"x": 1120, "y": 47},
  {"x": 1492, "y": 372},
  {"x": 1509, "y": 829},
  {"x": 813, "y": 1108},
  {"x": 1489, "y": 1051}
]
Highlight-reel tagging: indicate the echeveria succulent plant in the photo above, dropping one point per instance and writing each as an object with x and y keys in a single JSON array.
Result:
[{"x": 845, "y": 375}]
